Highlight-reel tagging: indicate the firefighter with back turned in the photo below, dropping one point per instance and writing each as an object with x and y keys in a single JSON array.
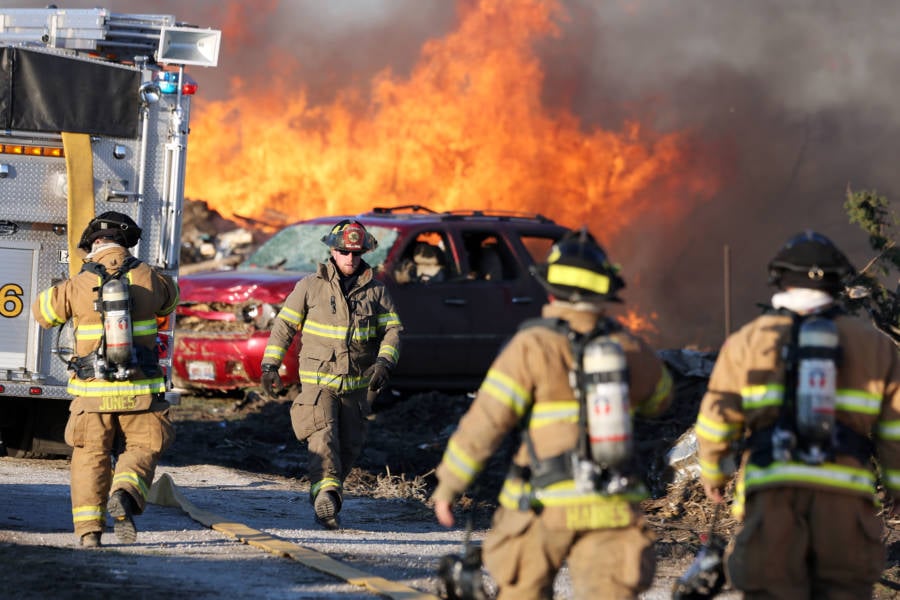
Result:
[
  {"x": 808, "y": 394},
  {"x": 119, "y": 404},
  {"x": 569, "y": 382}
]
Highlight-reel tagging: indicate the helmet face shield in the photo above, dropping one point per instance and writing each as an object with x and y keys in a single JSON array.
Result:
[{"x": 350, "y": 236}]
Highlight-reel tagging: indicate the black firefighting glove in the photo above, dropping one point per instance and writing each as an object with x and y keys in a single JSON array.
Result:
[
  {"x": 271, "y": 381},
  {"x": 378, "y": 374}
]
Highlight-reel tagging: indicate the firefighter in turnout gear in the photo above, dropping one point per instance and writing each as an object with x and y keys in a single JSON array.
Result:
[
  {"x": 350, "y": 342},
  {"x": 806, "y": 393},
  {"x": 572, "y": 492},
  {"x": 119, "y": 393}
]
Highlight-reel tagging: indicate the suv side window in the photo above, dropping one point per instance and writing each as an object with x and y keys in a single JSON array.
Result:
[
  {"x": 537, "y": 246},
  {"x": 489, "y": 257},
  {"x": 425, "y": 259}
]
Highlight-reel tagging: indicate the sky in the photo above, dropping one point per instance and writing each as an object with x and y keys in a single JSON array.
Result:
[{"x": 804, "y": 92}]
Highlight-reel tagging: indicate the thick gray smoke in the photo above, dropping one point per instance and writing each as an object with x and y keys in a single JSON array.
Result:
[
  {"x": 801, "y": 94},
  {"x": 803, "y": 91}
]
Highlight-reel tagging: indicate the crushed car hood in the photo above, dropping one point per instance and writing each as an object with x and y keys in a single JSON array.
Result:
[{"x": 236, "y": 287}]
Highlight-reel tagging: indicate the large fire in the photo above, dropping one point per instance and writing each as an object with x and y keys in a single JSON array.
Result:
[{"x": 465, "y": 130}]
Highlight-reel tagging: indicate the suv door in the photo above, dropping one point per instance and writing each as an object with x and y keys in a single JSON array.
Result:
[
  {"x": 434, "y": 312},
  {"x": 499, "y": 288}
]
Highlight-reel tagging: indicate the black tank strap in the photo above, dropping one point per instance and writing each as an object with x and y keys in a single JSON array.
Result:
[{"x": 847, "y": 442}]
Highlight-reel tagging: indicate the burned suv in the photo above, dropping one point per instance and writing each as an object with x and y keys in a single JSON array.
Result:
[{"x": 460, "y": 280}]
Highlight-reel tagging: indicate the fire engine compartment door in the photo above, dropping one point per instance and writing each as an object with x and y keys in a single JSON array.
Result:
[
  {"x": 18, "y": 278},
  {"x": 52, "y": 93}
]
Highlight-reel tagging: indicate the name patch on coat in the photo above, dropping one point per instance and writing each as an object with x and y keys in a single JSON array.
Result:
[
  {"x": 601, "y": 513},
  {"x": 117, "y": 403}
]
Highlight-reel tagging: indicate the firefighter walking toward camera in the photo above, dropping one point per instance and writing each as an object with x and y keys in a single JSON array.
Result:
[
  {"x": 808, "y": 393},
  {"x": 115, "y": 376},
  {"x": 569, "y": 383},
  {"x": 350, "y": 343}
]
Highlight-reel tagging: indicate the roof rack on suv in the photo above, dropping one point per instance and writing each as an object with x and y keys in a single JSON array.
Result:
[{"x": 459, "y": 214}]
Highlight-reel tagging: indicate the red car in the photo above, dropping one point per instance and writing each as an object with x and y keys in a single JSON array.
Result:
[{"x": 460, "y": 279}]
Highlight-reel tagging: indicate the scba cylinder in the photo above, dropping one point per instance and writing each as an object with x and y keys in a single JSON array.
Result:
[
  {"x": 817, "y": 353},
  {"x": 606, "y": 394},
  {"x": 117, "y": 321}
]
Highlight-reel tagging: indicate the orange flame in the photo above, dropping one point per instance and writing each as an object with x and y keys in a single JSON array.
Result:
[
  {"x": 637, "y": 323},
  {"x": 466, "y": 129}
]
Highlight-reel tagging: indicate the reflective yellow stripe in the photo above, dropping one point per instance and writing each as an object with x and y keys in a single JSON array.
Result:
[
  {"x": 132, "y": 478},
  {"x": 548, "y": 413},
  {"x": 831, "y": 475},
  {"x": 365, "y": 333},
  {"x": 513, "y": 492},
  {"x": 858, "y": 401},
  {"x": 334, "y": 382},
  {"x": 889, "y": 430},
  {"x": 291, "y": 316},
  {"x": 46, "y": 304},
  {"x": 711, "y": 470},
  {"x": 716, "y": 431},
  {"x": 389, "y": 351},
  {"x": 332, "y": 332},
  {"x": 142, "y": 328},
  {"x": 87, "y": 513},
  {"x": 460, "y": 463},
  {"x": 274, "y": 352},
  {"x": 848, "y": 400},
  {"x": 578, "y": 277},
  {"x": 507, "y": 390},
  {"x": 326, "y": 483},
  {"x": 89, "y": 332},
  {"x": 759, "y": 396},
  {"x": 390, "y": 319},
  {"x": 155, "y": 385},
  {"x": 892, "y": 478},
  {"x": 564, "y": 493}
]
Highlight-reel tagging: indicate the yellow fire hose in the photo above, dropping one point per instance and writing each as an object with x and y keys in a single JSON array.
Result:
[
  {"x": 80, "y": 183},
  {"x": 165, "y": 493}
]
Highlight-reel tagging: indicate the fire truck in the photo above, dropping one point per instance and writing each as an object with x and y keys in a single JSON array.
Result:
[{"x": 94, "y": 114}]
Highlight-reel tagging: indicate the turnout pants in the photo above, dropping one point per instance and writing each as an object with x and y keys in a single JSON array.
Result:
[
  {"x": 802, "y": 544},
  {"x": 335, "y": 426},
  {"x": 524, "y": 556},
  {"x": 145, "y": 436}
]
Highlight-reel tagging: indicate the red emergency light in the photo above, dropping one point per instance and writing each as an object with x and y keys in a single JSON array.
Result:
[{"x": 35, "y": 390}]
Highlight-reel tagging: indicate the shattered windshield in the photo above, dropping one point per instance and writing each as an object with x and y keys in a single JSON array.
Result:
[{"x": 300, "y": 248}]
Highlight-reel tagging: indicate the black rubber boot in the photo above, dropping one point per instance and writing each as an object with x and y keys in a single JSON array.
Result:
[
  {"x": 90, "y": 540},
  {"x": 121, "y": 509},
  {"x": 327, "y": 505}
]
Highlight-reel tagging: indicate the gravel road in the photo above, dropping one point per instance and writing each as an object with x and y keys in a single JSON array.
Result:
[{"x": 176, "y": 556}]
